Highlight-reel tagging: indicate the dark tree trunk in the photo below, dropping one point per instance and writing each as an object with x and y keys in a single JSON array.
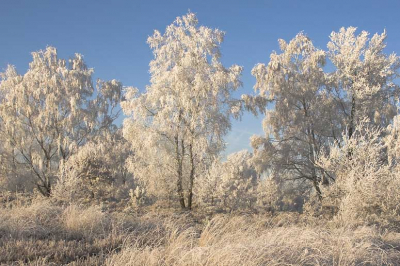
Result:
[
  {"x": 179, "y": 161},
  {"x": 191, "y": 177},
  {"x": 44, "y": 189},
  {"x": 352, "y": 117}
]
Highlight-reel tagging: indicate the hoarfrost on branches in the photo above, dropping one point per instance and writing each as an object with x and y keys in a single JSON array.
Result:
[
  {"x": 48, "y": 112},
  {"x": 177, "y": 125}
]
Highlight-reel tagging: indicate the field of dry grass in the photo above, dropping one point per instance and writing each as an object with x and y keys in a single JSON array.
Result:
[{"x": 41, "y": 232}]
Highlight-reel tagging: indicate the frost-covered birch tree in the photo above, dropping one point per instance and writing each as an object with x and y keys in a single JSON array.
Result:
[
  {"x": 298, "y": 125},
  {"x": 51, "y": 110},
  {"x": 178, "y": 124},
  {"x": 363, "y": 81},
  {"x": 312, "y": 107}
]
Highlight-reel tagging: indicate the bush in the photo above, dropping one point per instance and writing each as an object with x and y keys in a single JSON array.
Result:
[
  {"x": 96, "y": 172},
  {"x": 367, "y": 186},
  {"x": 231, "y": 184}
]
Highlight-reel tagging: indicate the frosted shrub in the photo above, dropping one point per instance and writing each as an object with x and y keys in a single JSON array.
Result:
[
  {"x": 207, "y": 188},
  {"x": 392, "y": 141},
  {"x": 367, "y": 187},
  {"x": 268, "y": 194},
  {"x": 239, "y": 183},
  {"x": 231, "y": 184},
  {"x": 278, "y": 193},
  {"x": 86, "y": 174},
  {"x": 68, "y": 187},
  {"x": 137, "y": 196},
  {"x": 235, "y": 184},
  {"x": 96, "y": 171}
]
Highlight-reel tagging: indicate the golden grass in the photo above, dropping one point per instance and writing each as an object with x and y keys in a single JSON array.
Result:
[{"x": 40, "y": 232}]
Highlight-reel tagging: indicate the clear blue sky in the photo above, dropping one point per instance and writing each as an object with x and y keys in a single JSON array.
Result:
[{"x": 112, "y": 34}]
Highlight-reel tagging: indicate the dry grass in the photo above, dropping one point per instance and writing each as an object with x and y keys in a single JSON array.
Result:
[
  {"x": 247, "y": 241},
  {"x": 40, "y": 232}
]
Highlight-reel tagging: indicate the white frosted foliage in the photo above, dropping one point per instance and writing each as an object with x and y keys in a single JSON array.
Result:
[
  {"x": 49, "y": 111},
  {"x": 176, "y": 126}
]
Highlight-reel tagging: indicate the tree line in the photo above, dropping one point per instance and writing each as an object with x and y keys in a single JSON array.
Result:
[{"x": 327, "y": 113}]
